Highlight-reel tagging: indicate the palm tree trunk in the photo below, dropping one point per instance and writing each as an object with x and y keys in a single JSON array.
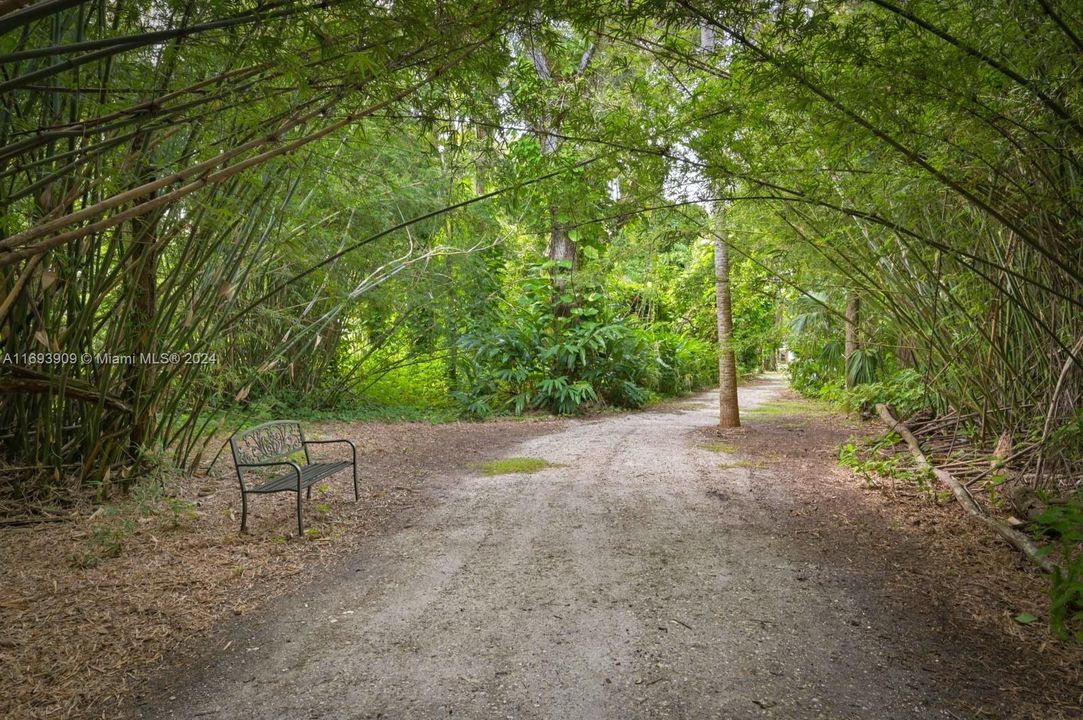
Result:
[{"x": 729, "y": 414}]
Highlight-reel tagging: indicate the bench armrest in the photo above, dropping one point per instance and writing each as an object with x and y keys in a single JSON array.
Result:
[
  {"x": 331, "y": 442},
  {"x": 241, "y": 467}
]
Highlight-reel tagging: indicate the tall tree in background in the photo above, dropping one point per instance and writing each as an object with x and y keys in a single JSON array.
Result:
[
  {"x": 729, "y": 413},
  {"x": 560, "y": 90}
]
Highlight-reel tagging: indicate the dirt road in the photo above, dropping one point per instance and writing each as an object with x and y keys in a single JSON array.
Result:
[{"x": 640, "y": 577}]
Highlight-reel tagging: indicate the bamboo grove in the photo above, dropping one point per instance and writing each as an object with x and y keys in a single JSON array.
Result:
[{"x": 320, "y": 195}]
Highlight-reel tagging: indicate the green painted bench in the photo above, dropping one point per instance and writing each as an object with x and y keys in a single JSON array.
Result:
[{"x": 270, "y": 445}]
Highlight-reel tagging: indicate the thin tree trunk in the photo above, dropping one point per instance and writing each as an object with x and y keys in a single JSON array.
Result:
[
  {"x": 481, "y": 169},
  {"x": 904, "y": 351},
  {"x": 144, "y": 288},
  {"x": 729, "y": 414},
  {"x": 853, "y": 320},
  {"x": 144, "y": 299},
  {"x": 564, "y": 254}
]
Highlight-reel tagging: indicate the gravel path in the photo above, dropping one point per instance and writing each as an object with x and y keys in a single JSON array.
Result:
[{"x": 611, "y": 586}]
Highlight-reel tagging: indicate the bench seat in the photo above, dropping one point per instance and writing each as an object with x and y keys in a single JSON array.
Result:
[{"x": 310, "y": 475}]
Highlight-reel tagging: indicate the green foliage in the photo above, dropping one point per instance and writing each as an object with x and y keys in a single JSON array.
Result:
[
  {"x": 875, "y": 460},
  {"x": 757, "y": 295},
  {"x": 558, "y": 347},
  {"x": 1067, "y": 440},
  {"x": 180, "y": 510},
  {"x": 1064, "y": 521},
  {"x": 864, "y": 366},
  {"x": 966, "y": 287},
  {"x": 152, "y": 497},
  {"x": 108, "y": 539},
  {"x": 683, "y": 363},
  {"x": 516, "y": 465},
  {"x": 562, "y": 344},
  {"x": 906, "y": 391},
  {"x": 409, "y": 382},
  {"x": 810, "y": 376},
  {"x": 815, "y": 338}
]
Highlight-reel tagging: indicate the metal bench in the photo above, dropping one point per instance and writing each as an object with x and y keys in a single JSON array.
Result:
[{"x": 271, "y": 445}]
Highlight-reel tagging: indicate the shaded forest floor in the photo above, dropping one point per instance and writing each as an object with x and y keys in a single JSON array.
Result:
[{"x": 659, "y": 568}]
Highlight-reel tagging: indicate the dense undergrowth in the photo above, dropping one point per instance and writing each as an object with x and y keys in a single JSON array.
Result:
[{"x": 557, "y": 344}]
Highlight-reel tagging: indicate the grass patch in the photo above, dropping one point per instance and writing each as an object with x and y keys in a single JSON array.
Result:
[
  {"x": 784, "y": 408},
  {"x": 684, "y": 404},
  {"x": 364, "y": 410},
  {"x": 748, "y": 464},
  {"x": 509, "y": 466},
  {"x": 719, "y": 447}
]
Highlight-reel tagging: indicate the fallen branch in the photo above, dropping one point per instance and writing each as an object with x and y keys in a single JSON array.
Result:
[{"x": 1016, "y": 538}]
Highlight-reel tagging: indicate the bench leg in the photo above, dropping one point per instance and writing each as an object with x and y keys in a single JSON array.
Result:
[
  {"x": 244, "y": 512},
  {"x": 300, "y": 522},
  {"x": 308, "y": 494},
  {"x": 356, "y": 495}
]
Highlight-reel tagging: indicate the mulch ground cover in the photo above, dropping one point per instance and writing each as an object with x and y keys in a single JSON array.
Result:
[{"x": 91, "y": 603}]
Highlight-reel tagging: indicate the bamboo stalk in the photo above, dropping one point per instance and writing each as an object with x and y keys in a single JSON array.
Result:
[
  {"x": 206, "y": 170},
  {"x": 1054, "y": 398},
  {"x": 9, "y": 301}
]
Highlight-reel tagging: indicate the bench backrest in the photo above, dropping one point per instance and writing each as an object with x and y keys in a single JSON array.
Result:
[{"x": 267, "y": 442}]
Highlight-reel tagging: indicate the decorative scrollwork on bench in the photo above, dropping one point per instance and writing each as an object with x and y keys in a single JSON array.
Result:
[{"x": 266, "y": 442}]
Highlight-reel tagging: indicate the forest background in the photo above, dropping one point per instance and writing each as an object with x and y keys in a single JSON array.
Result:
[{"x": 434, "y": 210}]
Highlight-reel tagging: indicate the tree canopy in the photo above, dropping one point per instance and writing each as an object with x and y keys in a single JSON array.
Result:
[{"x": 214, "y": 210}]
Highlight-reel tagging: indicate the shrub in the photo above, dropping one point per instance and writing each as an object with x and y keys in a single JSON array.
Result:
[
  {"x": 559, "y": 348},
  {"x": 681, "y": 363},
  {"x": 1065, "y": 521},
  {"x": 906, "y": 391}
]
